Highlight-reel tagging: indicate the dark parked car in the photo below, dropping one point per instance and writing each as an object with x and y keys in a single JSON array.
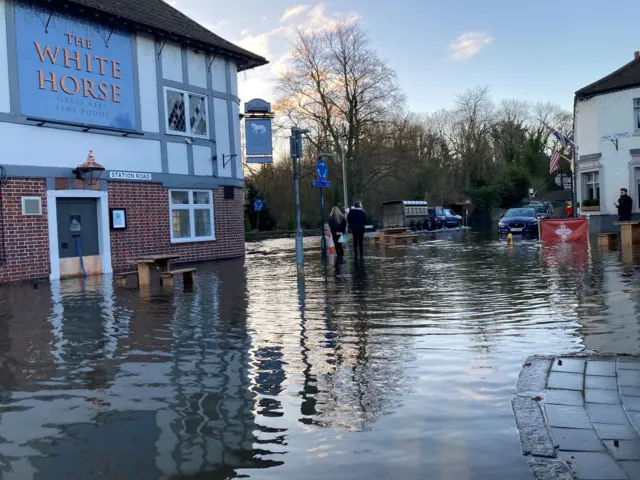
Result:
[
  {"x": 451, "y": 219},
  {"x": 519, "y": 220},
  {"x": 435, "y": 218},
  {"x": 544, "y": 210}
]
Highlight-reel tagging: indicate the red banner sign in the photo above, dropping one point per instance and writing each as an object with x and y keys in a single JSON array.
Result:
[{"x": 564, "y": 230}]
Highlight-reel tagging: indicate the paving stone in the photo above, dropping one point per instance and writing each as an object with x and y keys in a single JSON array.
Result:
[
  {"x": 635, "y": 420},
  {"x": 550, "y": 469},
  {"x": 626, "y": 449},
  {"x": 564, "y": 397},
  {"x": 629, "y": 378},
  {"x": 577, "y": 440},
  {"x": 632, "y": 469},
  {"x": 569, "y": 365},
  {"x": 567, "y": 416},
  {"x": 533, "y": 378},
  {"x": 606, "y": 369},
  {"x": 593, "y": 466},
  {"x": 602, "y": 383},
  {"x": 615, "y": 432},
  {"x": 534, "y": 434},
  {"x": 631, "y": 404},
  {"x": 630, "y": 391},
  {"x": 593, "y": 395},
  {"x": 610, "y": 414},
  {"x": 565, "y": 381},
  {"x": 629, "y": 363}
]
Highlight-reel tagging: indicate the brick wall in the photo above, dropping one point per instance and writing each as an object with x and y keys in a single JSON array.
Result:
[
  {"x": 148, "y": 231},
  {"x": 26, "y": 236}
]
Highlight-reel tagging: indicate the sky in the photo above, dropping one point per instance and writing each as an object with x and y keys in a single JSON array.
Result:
[{"x": 529, "y": 50}]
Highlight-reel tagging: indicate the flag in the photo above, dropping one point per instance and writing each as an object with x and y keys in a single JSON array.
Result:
[
  {"x": 554, "y": 162},
  {"x": 566, "y": 230},
  {"x": 563, "y": 139}
]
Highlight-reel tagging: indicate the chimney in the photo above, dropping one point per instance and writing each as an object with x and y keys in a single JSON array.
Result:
[{"x": 636, "y": 55}]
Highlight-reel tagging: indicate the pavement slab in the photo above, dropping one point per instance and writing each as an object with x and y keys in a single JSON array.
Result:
[
  {"x": 601, "y": 368},
  {"x": 594, "y": 395},
  {"x": 590, "y": 412},
  {"x": 564, "y": 397},
  {"x": 624, "y": 449}
]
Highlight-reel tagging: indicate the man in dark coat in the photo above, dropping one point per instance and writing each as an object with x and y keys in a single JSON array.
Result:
[
  {"x": 357, "y": 220},
  {"x": 624, "y": 206}
]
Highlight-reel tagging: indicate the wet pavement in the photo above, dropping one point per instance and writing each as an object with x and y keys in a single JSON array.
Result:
[{"x": 403, "y": 367}]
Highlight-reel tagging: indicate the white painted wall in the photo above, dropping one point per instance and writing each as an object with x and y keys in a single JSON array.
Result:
[
  {"x": 235, "y": 111},
  {"x": 202, "y": 163},
  {"x": 172, "y": 62},
  {"x": 5, "y": 105},
  {"x": 233, "y": 71},
  {"x": 218, "y": 75},
  {"x": 178, "y": 160},
  {"x": 602, "y": 115},
  {"x": 197, "y": 68},
  {"x": 51, "y": 147},
  {"x": 148, "y": 79},
  {"x": 221, "y": 116}
]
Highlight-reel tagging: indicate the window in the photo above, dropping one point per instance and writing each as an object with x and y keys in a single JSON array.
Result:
[
  {"x": 591, "y": 182},
  {"x": 191, "y": 215},
  {"x": 187, "y": 113},
  {"x": 31, "y": 206},
  {"x": 636, "y": 114}
]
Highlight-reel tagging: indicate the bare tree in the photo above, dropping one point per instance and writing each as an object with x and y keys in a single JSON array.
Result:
[{"x": 338, "y": 87}]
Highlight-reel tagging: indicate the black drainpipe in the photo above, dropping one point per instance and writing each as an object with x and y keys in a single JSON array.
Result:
[{"x": 3, "y": 246}]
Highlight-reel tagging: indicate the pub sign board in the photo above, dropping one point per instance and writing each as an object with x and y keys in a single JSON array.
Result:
[{"x": 74, "y": 70}]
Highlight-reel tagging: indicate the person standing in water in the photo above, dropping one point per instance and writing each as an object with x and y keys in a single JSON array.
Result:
[
  {"x": 357, "y": 220},
  {"x": 338, "y": 227},
  {"x": 624, "y": 206}
]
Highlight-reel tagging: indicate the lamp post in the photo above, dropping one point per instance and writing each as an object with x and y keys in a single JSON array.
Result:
[
  {"x": 295, "y": 146},
  {"x": 343, "y": 154}
]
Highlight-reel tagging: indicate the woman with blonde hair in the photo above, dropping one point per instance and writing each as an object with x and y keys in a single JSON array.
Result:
[{"x": 338, "y": 227}]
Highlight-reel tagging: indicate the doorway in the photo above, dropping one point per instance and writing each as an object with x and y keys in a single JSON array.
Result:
[{"x": 78, "y": 237}]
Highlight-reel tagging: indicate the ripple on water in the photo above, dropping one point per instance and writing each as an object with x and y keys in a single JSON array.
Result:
[{"x": 402, "y": 368}]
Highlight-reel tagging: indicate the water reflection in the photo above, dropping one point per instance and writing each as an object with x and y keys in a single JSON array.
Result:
[{"x": 402, "y": 366}]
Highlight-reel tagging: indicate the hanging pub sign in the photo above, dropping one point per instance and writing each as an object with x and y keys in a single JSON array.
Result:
[
  {"x": 257, "y": 131},
  {"x": 73, "y": 70}
]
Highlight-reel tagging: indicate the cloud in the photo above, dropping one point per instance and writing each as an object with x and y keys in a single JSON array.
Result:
[
  {"x": 293, "y": 12},
  {"x": 468, "y": 44}
]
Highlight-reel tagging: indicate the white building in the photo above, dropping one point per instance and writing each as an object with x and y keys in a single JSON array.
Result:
[
  {"x": 154, "y": 95},
  {"x": 607, "y": 132}
]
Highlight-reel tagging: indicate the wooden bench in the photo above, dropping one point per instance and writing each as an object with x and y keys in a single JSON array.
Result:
[
  {"x": 121, "y": 278},
  {"x": 188, "y": 277},
  {"x": 394, "y": 239},
  {"x": 607, "y": 239},
  {"x": 373, "y": 239}
]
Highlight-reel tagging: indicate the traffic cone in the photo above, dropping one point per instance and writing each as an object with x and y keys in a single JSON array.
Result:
[{"x": 331, "y": 247}]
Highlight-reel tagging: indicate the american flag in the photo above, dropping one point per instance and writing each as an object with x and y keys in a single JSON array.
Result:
[{"x": 554, "y": 162}]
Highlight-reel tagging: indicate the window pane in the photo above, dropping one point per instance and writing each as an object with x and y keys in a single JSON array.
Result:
[
  {"x": 637, "y": 118},
  {"x": 201, "y": 198},
  {"x": 203, "y": 222},
  {"x": 181, "y": 224},
  {"x": 180, "y": 198},
  {"x": 175, "y": 108},
  {"x": 197, "y": 115}
]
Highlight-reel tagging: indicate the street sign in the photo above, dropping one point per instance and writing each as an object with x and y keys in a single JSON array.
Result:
[
  {"x": 258, "y": 204},
  {"x": 322, "y": 170},
  {"x": 321, "y": 184}
]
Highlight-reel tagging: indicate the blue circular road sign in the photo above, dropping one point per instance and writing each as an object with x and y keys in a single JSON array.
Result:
[
  {"x": 257, "y": 205},
  {"x": 322, "y": 170}
]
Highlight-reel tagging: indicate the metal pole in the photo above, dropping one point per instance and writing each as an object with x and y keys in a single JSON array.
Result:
[
  {"x": 296, "y": 193},
  {"x": 344, "y": 172},
  {"x": 323, "y": 242},
  {"x": 258, "y": 221}
]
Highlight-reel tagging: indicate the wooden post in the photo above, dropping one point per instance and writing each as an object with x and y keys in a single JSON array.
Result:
[{"x": 144, "y": 274}]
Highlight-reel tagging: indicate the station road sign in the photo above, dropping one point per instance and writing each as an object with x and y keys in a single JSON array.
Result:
[{"x": 321, "y": 184}]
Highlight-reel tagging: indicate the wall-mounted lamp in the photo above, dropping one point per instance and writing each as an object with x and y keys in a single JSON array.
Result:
[{"x": 89, "y": 171}]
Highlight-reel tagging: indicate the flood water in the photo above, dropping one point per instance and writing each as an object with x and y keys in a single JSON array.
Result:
[{"x": 401, "y": 368}]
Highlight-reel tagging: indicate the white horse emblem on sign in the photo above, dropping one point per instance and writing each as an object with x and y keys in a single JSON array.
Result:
[
  {"x": 259, "y": 129},
  {"x": 563, "y": 231}
]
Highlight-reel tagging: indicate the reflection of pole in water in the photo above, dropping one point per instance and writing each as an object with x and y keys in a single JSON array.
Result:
[{"x": 308, "y": 406}]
